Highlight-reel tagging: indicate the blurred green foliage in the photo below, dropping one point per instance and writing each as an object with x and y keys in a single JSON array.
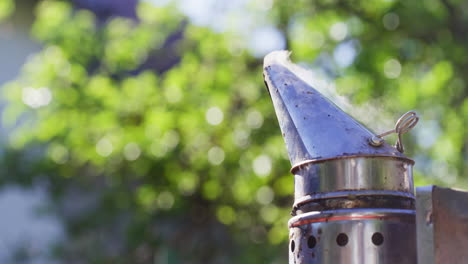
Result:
[
  {"x": 6, "y": 8},
  {"x": 177, "y": 149},
  {"x": 187, "y": 164}
]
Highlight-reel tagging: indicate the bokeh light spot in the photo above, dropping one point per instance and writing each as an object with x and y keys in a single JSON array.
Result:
[
  {"x": 344, "y": 54},
  {"x": 265, "y": 40},
  {"x": 104, "y": 147},
  {"x": 187, "y": 185},
  {"x": 265, "y": 195},
  {"x": 160, "y": 147},
  {"x": 392, "y": 69},
  {"x": 241, "y": 138},
  {"x": 317, "y": 39},
  {"x": 262, "y": 165},
  {"x": 165, "y": 200},
  {"x": 216, "y": 155},
  {"x": 214, "y": 116},
  {"x": 173, "y": 94},
  {"x": 269, "y": 213},
  {"x": 391, "y": 21},
  {"x": 264, "y": 5},
  {"x": 132, "y": 151},
  {"x": 58, "y": 153},
  {"x": 226, "y": 215},
  {"x": 211, "y": 190},
  {"x": 338, "y": 31},
  {"x": 36, "y": 98},
  {"x": 254, "y": 119}
]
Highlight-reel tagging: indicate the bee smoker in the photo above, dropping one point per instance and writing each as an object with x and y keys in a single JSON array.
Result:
[{"x": 354, "y": 199}]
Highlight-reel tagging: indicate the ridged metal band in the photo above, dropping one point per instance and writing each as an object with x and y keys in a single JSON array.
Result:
[
  {"x": 383, "y": 175},
  {"x": 350, "y": 195},
  {"x": 301, "y": 164},
  {"x": 351, "y": 214}
]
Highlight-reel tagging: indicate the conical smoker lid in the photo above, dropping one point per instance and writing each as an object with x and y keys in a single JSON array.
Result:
[{"x": 314, "y": 128}]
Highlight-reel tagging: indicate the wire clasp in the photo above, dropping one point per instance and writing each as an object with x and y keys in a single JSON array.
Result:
[{"x": 404, "y": 124}]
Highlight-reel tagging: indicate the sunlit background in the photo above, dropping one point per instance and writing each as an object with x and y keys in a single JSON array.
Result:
[{"x": 141, "y": 131}]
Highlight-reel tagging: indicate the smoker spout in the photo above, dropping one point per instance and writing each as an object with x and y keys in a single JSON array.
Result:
[{"x": 313, "y": 127}]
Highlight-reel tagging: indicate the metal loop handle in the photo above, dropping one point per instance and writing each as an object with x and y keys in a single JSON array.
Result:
[{"x": 404, "y": 124}]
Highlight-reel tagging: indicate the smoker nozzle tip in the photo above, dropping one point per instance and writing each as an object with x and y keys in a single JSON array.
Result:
[{"x": 280, "y": 57}]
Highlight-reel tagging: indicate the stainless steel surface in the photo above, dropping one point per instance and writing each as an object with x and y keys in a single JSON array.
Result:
[
  {"x": 354, "y": 202},
  {"x": 380, "y": 173},
  {"x": 362, "y": 236},
  {"x": 424, "y": 225},
  {"x": 450, "y": 220},
  {"x": 313, "y": 127}
]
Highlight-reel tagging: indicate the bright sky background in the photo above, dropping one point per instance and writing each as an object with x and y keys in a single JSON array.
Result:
[{"x": 246, "y": 18}]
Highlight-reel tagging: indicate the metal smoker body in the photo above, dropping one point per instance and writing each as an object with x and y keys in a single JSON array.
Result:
[{"x": 354, "y": 202}]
